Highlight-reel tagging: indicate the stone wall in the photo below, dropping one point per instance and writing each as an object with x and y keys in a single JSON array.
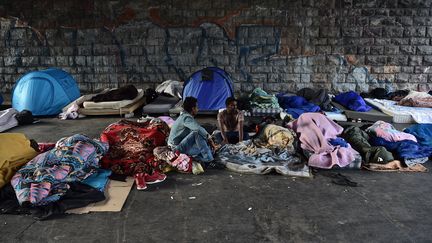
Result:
[{"x": 277, "y": 45}]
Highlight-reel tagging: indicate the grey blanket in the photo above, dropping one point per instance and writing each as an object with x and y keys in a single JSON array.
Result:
[{"x": 247, "y": 157}]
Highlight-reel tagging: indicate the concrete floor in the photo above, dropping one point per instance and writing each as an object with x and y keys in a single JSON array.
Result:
[{"x": 230, "y": 207}]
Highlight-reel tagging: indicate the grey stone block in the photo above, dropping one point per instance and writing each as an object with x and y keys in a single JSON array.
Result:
[
  {"x": 323, "y": 50},
  {"x": 429, "y": 32},
  {"x": 363, "y": 50},
  {"x": 407, "y": 69},
  {"x": 402, "y": 77},
  {"x": 422, "y": 69},
  {"x": 261, "y": 69},
  {"x": 259, "y": 78},
  {"x": 424, "y": 50},
  {"x": 377, "y": 50},
  {"x": 372, "y": 32},
  {"x": 427, "y": 60},
  {"x": 397, "y": 60},
  {"x": 282, "y": 69},
  {"x": 376, "y": 60},
  {"x": 80, "y": 60},
  {"x": 62, "y": 61},
  {"x": 316, "y": 60},
  {"x": 376, "y": 70},
  {"x": 415, "y": 32},
  {"x": 319, "y": 78},
  {"x": 393, "y": 32},
  {"x": 418, "y": 78},
  {"x": 410, "y": 50},
  {"x": 419, "y": 41},
  {"x": 406, "y": 21},
  {"x": 17, "y": 33},
  {"x": 422, "y": 21},
  {"x": 8, "y": 70},
  {"x": 47, "y": 61},
  {"x": 352, "y": 32},
  {"x": 329, "y": 31},
  {"x": 383, "y": 41},
  {"x": 302, "y": 69},
  {"x": 391, "y": 50},
  {"x": 10, "y": 61},
  {"x": 415, "y": 60},
  {"x": 357, "y": 75}
]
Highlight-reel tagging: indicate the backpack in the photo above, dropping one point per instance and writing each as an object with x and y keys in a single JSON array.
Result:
[{"x": 150, "y": 95}]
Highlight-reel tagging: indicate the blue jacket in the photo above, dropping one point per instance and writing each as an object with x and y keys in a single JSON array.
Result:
[{"x": 184, "y": 125}]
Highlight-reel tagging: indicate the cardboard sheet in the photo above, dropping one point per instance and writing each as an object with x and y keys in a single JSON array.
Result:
[{"x": 116, "y": 193}]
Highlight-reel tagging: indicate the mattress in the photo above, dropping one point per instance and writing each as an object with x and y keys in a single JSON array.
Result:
[
  {"x": 373, "y": 115},
  {"x": 161, "y": 105},
  {"x": 402, "y": 114},
  {"x": 112, "y": 104},
  {"x": 335, "y": 116},
  {"x": 128, "y": 109},
  {"x": 178, "y": 108}
]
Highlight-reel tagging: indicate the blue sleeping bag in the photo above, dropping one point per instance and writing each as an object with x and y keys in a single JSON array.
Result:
[
  {"x": 405, "y": 149},
  {"x": 352, "y": 101},
  {"x": 423, "y": 133},
  {"x": 296, "y": 105}
]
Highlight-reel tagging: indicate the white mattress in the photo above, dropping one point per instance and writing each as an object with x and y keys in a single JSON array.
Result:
[
  {"x": 402, "y": 114},
  {"x": 112, "y": 104},
  {"x": 335, "y": 116}
]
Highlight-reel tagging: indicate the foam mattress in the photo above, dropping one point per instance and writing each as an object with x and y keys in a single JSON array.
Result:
[
  {"x": 373, "y": 115},
  {"x": 402, "y": 114},
  {"x": 120, "y": 111},
  {"x": 178, "y": 108},
  {"x": 161, "y": 105}
]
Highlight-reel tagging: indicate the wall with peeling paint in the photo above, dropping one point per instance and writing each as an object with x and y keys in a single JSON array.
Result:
[{"x": 276, "y": 45}]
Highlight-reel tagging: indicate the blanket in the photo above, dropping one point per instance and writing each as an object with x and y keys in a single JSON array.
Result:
[
  {"x": 314, "y": 131},
  {"x": 248, "y": 157},
  {"x": 45, "y": 178},
  {"x": 131, "y": 145}
]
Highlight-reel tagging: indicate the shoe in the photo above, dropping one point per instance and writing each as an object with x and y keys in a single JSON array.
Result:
[
  {"x": 214, "y": 165},
  {"x": 140, "y": 181},
  {"x": 154, "y": 178}
]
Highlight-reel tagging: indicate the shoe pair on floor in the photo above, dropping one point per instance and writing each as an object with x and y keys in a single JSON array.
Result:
[{"x": 142, "y": 179}]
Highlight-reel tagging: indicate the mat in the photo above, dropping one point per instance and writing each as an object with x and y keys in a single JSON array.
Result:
[
  {"x": 178, "y": 108},
  {"x": 402, "y": 114},
  {"x": 161, "y": 105},
  {"x": 120, "y": 111},
  {"x": 373, "y": 115}
]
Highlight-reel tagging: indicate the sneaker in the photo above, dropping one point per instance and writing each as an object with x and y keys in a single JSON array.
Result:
[
  {"x": 140, "y": 181},
  {"x": 154, "y": 178},
  {"x": 214, "y": 165}
]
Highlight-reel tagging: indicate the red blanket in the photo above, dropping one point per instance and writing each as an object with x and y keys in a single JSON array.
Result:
[{"x": 131, "y": 146}]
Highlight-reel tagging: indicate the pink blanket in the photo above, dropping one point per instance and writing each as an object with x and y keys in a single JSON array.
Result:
[{"x": 314, "y": 131}]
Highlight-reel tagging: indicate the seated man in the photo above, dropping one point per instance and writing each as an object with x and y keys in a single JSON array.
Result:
[
  {"x": 188, "y": 137},
  {"x": 230, "y": 123}
]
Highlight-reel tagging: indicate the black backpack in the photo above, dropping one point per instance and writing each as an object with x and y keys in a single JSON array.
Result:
[{"x": 150, "y": 95}]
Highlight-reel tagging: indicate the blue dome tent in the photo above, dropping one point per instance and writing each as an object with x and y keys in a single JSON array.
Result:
[
  {"x": 211, "y": 86},
  {"x": 44, "y": 92}
]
